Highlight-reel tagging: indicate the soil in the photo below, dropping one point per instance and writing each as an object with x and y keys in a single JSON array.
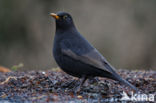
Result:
[{"x": 57, "y": 86}]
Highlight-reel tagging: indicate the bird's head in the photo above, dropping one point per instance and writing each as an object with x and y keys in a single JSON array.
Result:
[{"x": 63, "y": 20}]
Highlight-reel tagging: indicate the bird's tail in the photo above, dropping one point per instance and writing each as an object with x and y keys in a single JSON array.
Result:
[
  {"x": 123, "y": 81},
  {"x": 117, "y": 77}
]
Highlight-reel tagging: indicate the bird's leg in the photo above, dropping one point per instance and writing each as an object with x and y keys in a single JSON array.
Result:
[{"x": 82, "y": 80}]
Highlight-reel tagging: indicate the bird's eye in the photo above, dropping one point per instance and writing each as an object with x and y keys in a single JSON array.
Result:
[{"x": 64, "y": 17}]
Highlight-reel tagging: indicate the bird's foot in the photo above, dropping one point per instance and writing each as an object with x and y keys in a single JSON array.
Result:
[
  {"x": 69, "y": 84},
  {"x": 77, "y": 89},
  {"x": 93, "y": 80}
]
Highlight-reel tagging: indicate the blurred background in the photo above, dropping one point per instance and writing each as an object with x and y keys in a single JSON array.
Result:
[{"x": 124, "y": 31}]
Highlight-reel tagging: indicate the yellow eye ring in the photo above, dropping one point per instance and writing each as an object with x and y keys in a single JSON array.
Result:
[{"x": 64, "y": 17}]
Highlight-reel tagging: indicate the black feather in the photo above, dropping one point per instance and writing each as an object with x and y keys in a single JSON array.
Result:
[{"x": 76, "y": 56}]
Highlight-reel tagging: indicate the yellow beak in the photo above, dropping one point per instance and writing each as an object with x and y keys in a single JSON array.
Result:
[{"x": 54, "y": 15}]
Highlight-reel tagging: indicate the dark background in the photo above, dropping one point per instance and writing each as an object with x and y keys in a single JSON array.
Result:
[{"x": 124, "y": 31}]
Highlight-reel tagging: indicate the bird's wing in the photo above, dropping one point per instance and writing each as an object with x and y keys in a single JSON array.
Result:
[{"x": 93, "y": 58}]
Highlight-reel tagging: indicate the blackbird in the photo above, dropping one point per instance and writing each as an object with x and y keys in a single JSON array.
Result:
[{"x": 76, "y": 56}]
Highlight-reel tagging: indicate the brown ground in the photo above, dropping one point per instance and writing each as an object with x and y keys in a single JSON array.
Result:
[{"x": 48, "y": 86}]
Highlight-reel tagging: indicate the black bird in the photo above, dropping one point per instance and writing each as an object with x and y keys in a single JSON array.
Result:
[{"x": 76, "y": 56}]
